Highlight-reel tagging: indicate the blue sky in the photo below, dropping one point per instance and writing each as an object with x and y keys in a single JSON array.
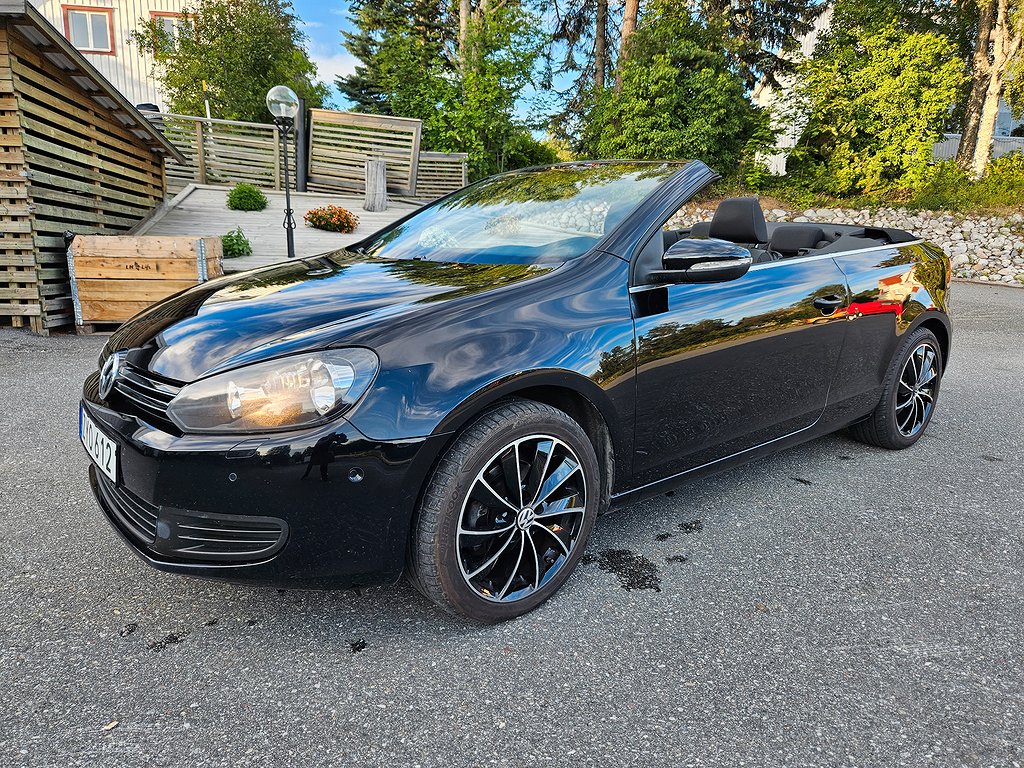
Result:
[{"x": 323, "y": 22}]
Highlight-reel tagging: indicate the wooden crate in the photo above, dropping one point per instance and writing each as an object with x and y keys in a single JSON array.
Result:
[{"x": 115, "y": 277}]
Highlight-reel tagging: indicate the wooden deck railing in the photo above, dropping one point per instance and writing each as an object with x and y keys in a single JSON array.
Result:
[
  {"x": 221, "y": 151},
  {"x": 232, "y": 151}
]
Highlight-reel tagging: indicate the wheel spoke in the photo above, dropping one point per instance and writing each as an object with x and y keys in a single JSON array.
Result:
[
  {"x": 927, "y": 395},
  {"x": 561, "y": 473},
  {"x": 553, "y": 535},
  {"x": 926, "y": 367},
  {"x": 909, "y": 419},
  {"x": 491, "y": 532},
  {"x": 513, "y": 478},
  {"x": 538, "y": 471},
  {"x": 560, "y": 512},
  {"x": 492, "y": 559},
  {"x": 486, "y": 495},
  {"x": 516, "y": 567},
  {"x": 536, "y": 560}
]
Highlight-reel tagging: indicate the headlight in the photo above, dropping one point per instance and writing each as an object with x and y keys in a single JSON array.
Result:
[{"x": 279, "y": 394}]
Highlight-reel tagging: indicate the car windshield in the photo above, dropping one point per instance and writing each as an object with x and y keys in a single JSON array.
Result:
[{"x": 540, "y": 216}]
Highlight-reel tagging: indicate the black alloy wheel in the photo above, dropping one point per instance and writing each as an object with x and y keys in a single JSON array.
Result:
[
  {"x": 507, "y": 514},
  {"x": 909, "y": 396}
]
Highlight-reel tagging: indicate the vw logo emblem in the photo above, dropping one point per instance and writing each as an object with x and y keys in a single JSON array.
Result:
[{"x": 108, "y": 373}]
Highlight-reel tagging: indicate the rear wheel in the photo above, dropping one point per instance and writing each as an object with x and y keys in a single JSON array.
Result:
[
  {"x": 909, "y": 397},
  {"x": 507, "y": 513}
]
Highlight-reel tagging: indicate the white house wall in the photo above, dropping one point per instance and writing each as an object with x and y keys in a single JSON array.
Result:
[{"x": 129, "y": 69}]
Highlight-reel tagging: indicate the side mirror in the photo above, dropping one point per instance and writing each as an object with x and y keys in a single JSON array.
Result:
[{"x": 702, "y": 261}]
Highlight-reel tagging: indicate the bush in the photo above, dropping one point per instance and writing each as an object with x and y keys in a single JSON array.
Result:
[
  {"x": 332, "y": 218},
  {"x": 950, "y": 188},
  {"x": 236, "y": 244},
  {"x": 246, "y": 197},
  {"x": 946, "y": 189},
  {"x": 877, "y": 101},
  {"x": 1002, "y": 184}
]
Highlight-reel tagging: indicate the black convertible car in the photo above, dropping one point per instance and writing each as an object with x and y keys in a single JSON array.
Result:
[{"x": 459, "y": 396}]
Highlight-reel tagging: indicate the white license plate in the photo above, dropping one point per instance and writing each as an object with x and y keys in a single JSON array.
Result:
[{"x": 101, "y": 449}]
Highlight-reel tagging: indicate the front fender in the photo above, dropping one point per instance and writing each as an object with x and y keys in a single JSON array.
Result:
[{"x": 518, "y": 383}]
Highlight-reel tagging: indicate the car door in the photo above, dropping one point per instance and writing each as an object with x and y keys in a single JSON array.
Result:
[{"x": 722, "y": 367}]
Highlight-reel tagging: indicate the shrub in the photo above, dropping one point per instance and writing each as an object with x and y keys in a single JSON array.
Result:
[
  {"x": 950, "y": 188},
  {"x": 1002, "y": 184},
  {"x": 333, "y": 218},
  {"x": 945, "y": 190},
  {"x": 236, "y": 244},
  {"x": 246, "y": 197},
  {"x": 877, "y": 101}
]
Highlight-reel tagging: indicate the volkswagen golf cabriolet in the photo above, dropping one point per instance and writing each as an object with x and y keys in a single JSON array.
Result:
[{"x": 458, "y": 396}]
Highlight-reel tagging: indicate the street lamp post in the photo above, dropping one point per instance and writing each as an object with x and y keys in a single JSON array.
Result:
[{"x": 284, "y": 106}]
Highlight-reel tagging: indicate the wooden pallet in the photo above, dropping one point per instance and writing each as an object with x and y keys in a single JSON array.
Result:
[{"x": 114, "y": 278}]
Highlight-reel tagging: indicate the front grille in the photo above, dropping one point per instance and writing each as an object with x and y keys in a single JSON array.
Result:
[
  {"x": 141, "y": 395},
  {"x": 186, "y": 535},
  {"x": 136, "y": 516},
  {"x": 230, "y": 538}
]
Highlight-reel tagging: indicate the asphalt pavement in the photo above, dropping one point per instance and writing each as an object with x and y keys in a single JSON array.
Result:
[{"x": 832, "y": 605}]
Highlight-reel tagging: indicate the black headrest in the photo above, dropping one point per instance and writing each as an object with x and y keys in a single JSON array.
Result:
[
  {"x": 739, "y": 220},
  {"x": 701, "y": 229},
  {"x": 792, "y": 238}
]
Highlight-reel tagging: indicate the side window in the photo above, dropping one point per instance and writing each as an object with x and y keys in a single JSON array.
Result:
[{"x": 89, "y": 29}]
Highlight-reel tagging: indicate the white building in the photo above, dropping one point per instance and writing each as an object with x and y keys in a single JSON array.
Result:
[{"x": 102, "y": 31}]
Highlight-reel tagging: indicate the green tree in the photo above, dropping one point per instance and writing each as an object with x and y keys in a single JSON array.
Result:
[
  {"x": 876, "y": 102},
  {"x": 240, "y": 48},
  {"x": 462, "y": 75},
  {"x": 758, "y": 35},
  {"x": 679, "y": 98},
  {"x": 405, "y": 57}
]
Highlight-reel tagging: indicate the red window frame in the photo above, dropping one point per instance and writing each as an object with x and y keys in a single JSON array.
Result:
[
  {"x": 64, "y": 9},
  {"x": 154, "y": 15}
]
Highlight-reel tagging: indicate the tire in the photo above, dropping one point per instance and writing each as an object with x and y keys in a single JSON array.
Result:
[
  {"x": 909, "y": 396},
  {"x": 495, "y": 537}
]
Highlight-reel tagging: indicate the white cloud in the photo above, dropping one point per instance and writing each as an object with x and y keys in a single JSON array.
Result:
[
  {"x": 329, "y": 68},
  {"x": 331, "y": 61}
]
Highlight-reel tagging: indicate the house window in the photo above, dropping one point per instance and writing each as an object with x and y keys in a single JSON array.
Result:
[
  {"x": 90, "y": 30},
  {"x": 168, "y": 24}
]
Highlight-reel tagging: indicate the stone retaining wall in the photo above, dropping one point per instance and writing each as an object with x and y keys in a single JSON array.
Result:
[{"x": 987, "y": 248}]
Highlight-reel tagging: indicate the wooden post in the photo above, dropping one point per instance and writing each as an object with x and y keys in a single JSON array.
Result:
[
  {"x": 200, "y": 152},
  {"x": 376, "y": 186},
  {"x": 301, "y": 149},
  {"x": 277, "y": 158}
]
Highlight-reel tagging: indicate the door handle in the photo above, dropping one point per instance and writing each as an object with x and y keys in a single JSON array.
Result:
[{"x": 828, "y": 304}]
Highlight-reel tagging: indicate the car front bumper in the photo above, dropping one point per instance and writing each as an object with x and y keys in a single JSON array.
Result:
[{"x": 317, "y": 508}]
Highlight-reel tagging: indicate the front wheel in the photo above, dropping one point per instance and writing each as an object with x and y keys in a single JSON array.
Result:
[
  {"x": 507, "y": 513},
  {"x": 909, "y": 396}
]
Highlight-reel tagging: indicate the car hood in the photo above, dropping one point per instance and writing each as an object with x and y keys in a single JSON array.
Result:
[{"x": 295, "y": 307}]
